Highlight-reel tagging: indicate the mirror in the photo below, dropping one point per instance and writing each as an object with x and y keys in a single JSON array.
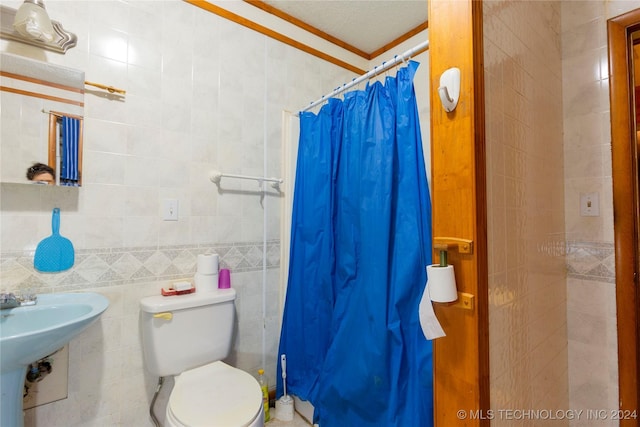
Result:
[{"x": 42, "y": 121}]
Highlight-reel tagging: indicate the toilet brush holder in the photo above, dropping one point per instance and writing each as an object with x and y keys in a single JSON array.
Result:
[{"x": 284, "y": 408}]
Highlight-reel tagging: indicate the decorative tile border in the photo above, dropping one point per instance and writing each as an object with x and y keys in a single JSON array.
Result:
[
  {"x": 119, "y": 266},
  {"x": 593, "y": 261}
]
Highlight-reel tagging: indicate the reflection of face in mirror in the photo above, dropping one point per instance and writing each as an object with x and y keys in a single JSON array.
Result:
[{"x": 41, "y": 174}]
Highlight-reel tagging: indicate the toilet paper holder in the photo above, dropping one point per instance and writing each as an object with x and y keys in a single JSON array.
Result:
[
  {"x": 465, "y": 300},
  {"x": 464, "y": 246}
]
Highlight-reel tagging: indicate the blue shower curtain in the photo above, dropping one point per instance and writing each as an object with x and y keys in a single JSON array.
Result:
[{"x": 360, "y": 242}]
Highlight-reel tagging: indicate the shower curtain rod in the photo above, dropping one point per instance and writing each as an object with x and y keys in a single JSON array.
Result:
[{"x": 372, "y": 73}]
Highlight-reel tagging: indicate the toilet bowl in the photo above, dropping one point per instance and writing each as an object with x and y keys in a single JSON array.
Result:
[
  {"x": 187, "y": 337},
  {"x": 215, "y": 395}
]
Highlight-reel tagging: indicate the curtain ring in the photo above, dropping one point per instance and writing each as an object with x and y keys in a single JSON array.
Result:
[{"x": 357, "y": 86}]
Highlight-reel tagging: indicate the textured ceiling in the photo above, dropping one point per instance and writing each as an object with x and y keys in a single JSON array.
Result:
[{"x": 365, "y": 24}]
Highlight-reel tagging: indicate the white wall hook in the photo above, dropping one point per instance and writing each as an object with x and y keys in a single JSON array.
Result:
[{"x": 449, "y": 89}]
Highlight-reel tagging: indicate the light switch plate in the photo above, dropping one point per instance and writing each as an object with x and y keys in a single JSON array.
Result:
[
  {"x": 590, "y": 204},
  {"x": 170, "y": 210}
]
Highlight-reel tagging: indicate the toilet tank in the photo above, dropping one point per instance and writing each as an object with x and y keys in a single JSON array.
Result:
[{"x": 185, "y": 331}]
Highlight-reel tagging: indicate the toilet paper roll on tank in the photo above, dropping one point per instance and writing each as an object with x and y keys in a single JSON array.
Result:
[
  {"x": 206, "y": 277},
  {"x": 208, "y": 264}
]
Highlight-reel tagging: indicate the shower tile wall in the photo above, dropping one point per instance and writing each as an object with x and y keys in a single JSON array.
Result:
[
  {"x": 202, "y": 94},
  {"x": 527, "y": 291},
  {"x": 573, "y": 37},
  {"x": 591, "y": 311}
]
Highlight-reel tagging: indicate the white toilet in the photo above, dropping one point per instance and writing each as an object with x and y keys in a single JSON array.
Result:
[{"x": 187, "y": 336}]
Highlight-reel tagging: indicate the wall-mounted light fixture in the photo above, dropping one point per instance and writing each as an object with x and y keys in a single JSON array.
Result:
[{"x": 31, "y": 24}]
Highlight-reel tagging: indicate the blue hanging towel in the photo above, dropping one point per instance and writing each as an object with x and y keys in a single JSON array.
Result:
[{"x": 69, "y": 174}]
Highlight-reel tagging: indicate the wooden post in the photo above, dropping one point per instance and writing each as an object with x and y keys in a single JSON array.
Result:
[{"x": 461, "y": 359}]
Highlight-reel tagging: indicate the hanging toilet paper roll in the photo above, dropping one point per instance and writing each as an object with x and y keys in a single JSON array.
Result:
[
  {"x": 429, "y": 324},
  {"x": 207, "y": 264},
  {"x": 441, "y": 283}
]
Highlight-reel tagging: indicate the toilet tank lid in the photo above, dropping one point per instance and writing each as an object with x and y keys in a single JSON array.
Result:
[{"x": 159, "y": 303}]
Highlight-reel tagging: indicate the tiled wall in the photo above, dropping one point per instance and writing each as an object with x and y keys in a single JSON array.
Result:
[
  {"x": 202, "y": 94},
  {"x": 591, "y": 312},
  {"x": 527, "y": 292},
  {"x": 128, "y": 266}
]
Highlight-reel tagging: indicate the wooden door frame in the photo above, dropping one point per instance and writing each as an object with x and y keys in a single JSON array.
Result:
[
  {"x": 459, "y": 210},
  {"x": 625, "y": 210}
]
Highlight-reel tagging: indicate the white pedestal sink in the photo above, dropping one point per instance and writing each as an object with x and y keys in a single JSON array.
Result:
[{"x": 32, "y": 332}]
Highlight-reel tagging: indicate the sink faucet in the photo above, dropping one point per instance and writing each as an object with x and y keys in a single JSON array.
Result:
[{"x": 9, "y": 300}]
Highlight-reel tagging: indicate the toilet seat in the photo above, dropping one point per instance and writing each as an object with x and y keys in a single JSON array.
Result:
[{"x": 215, "y": 395}]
